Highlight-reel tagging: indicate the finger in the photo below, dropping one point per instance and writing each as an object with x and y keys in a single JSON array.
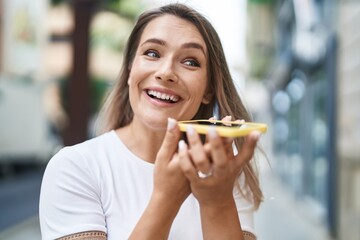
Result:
[
  {"x": 214, "y": 118},
  {"x": 248, "y": 148},
  {"x": 217, "y": 150},
  {"x": 186, "y": 164},
  {"x": 170, "y": 141},
  {"x": 226, "y": 119},
  {"x": 197, "y": 151},
  {"x": 229, "y": 140},
  {"x": 229, "y": 147},
  {"x": 240, "y": 120}
]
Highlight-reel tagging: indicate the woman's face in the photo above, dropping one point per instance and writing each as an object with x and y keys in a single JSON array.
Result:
[{"x": 168, "y": 77}]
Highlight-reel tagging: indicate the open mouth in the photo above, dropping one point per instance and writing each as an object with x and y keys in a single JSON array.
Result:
[{"x": 163, "y": 96}]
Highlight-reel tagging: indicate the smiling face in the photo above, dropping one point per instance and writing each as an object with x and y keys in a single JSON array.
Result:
[{"x": 168, "y": 77}]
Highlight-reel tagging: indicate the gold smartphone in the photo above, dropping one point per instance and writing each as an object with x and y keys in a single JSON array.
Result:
[{"x": 223, "y": 128}]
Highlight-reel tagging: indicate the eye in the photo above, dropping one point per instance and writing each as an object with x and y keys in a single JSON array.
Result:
[
  {"x": 192, "y": 63},
  {"x": 152, "y": 54}
]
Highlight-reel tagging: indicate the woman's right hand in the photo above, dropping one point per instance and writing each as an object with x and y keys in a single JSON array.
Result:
[
  {"x": 171, "y": 188},
  {"x": 169, "y": 180}
]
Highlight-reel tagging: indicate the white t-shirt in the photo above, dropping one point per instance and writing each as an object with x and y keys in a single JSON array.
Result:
[{"x": 100, "y": 185}]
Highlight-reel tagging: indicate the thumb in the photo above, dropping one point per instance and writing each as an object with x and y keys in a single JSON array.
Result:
[
  {"x": 247, "y": 150},
  {"x": 170, "y": 142}
]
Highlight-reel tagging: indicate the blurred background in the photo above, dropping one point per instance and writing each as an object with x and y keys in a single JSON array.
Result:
[{"x": 296, "y": 63}]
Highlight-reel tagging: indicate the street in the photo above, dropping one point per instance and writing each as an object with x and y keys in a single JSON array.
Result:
[{"x": 19, "y": 196}]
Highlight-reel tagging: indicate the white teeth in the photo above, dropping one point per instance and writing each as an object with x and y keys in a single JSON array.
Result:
[{"x": 163, "y": 96}]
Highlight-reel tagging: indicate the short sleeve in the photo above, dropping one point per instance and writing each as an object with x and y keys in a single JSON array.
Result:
[
  {"x": 245, "y": 205},
  {"x": 70, "y": 197}
]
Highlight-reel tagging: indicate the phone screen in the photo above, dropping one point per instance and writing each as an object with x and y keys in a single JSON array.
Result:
[
  {"x": 217, "y": 123},
  {"x": 224, "y": 129}
]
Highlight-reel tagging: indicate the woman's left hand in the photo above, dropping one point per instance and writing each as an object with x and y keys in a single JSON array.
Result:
[{"x": 212, "y": 167}]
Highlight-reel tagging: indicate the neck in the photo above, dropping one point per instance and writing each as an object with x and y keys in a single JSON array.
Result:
[{"x": 141, "y": 140}]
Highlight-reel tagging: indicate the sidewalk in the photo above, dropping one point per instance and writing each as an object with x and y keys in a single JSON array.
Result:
[
  {"x": 28, "y": 230},
  {"x": 280, "y": 217}
]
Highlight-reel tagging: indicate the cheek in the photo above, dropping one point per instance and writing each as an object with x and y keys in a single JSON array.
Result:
[
  {"x": 133, "y": 77},
  {"x": 132, "y": 83},
  {"x": 199, "y": 89},
  {"x": 140, "y": 71}
]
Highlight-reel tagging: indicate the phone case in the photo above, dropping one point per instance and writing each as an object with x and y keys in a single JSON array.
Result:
[{"x": 223, "y": 128}]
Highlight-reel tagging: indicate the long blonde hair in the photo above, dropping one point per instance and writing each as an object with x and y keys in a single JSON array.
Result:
[{"x": 117, "y": 111}]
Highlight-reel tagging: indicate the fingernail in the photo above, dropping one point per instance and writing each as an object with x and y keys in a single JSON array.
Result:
[
  {"x": 212, "y": 132},
  {"x": 182, "y": 145},
  {"x": 171, "y": 123},
  {"x": 190, "y": 130},
  {"x": 228, "y": 118}
]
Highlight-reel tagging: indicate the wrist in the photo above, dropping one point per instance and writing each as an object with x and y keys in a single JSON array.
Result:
[
  {"x": 168, "y": 204},
  {"x": 217, "y": 202},
  {"x": 156, "y": 220},
  {"x": 218, "y": 207}
]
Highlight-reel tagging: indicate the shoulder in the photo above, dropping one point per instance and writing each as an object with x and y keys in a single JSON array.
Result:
[
  {"x": 83, "y": 151},
  {"x": 71, "y": 190},
  {"x": 82, "y": 159}
]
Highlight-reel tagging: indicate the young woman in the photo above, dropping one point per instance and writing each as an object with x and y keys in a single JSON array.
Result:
[{"x": 140, "y": 179}]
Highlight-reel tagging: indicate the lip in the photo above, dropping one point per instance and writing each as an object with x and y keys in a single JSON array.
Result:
[{"x": 164, "y": 91}]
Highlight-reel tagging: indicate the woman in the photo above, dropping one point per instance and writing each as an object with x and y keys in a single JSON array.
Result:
[{"x": 139, "y": 180}]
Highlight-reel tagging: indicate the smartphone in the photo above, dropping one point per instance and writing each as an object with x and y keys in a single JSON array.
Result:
[{"x": 223, "y": 128}]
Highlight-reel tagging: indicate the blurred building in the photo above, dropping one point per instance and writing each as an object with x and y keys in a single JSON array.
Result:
[
  {"x": 25, "y": 129},
  {"x": 348, "y": 134},
  {"x": 311, "y": 67},
  {"x": 57, "y": 60}
]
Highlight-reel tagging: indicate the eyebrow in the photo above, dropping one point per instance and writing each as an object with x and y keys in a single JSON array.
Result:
[
  {"x": 154, "y": 40},
  {"x": 185, "y": 45}
]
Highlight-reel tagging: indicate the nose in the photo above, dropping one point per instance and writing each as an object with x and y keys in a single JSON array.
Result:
[{"x": 166, "y": 71}]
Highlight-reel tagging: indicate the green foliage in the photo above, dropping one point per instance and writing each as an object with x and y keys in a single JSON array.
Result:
[
  {"x": 110, "y": 30},
  {"x": 262, "y": 1},
  {"x": 57, "y": 2},
  {"x": 98, "y": 88},
  {"x": 127, "y": 8}
]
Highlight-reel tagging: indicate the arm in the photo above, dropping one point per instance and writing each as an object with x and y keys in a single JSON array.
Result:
[
  {"x": 156, "y": 221},
  {"x": 219, "y": 215},
  {"x": 223, "y": 222},
  {"x": 220, "y": 221},
  {"x": 69, "y": 201},
  {"x": 171, "y": 188}
]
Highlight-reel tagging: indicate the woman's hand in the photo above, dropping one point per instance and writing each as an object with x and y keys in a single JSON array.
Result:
[
  {"x": 169, "y": 180},
  {"x": 171, "y": 188},
  {"x": 212, "y": 168}
]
